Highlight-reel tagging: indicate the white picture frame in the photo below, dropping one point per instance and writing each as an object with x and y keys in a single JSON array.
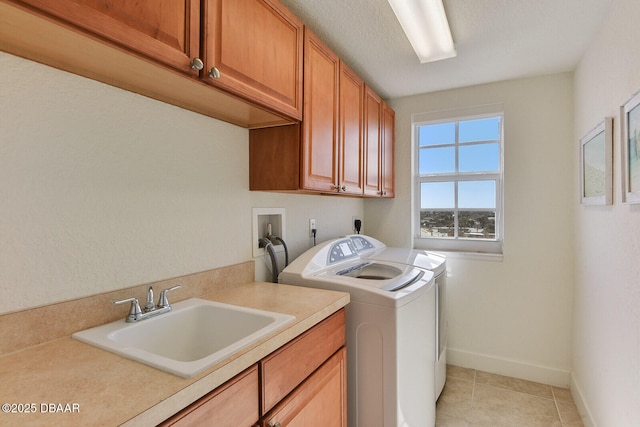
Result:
[
  {"x": 630, "y": 149},
  {"x": 596, "y": 158}
]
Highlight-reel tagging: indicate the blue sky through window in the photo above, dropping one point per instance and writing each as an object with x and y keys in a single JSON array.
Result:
[
  {"x": 444, "y": 133},
  {"x": 477, "y": 150},
  {"x": 479, "y": 130},
  {"x": 438, "y": 195},
  {"x": 477, "y": 194}
]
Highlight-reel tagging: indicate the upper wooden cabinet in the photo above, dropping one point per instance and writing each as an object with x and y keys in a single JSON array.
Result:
[
  {"x": 350, "y": 174},
  {"x": 148, "y": 47},
  {"x": 379, "y": 125},
  {"x": 253, "y": 48},
  {"x": 167, "y": 31},
  {"x": 387, "y": 141},
  {"x": 372, "y": 153},
  {"x": 319, "y": 150},
  {"x": 344, "y": 144}
]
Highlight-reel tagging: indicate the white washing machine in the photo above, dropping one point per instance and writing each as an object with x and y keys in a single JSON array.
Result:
[
  {"x": 372, "y": 249},
  {"x": 390, "y": 332}
]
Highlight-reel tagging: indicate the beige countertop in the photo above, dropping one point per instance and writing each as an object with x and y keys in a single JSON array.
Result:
[{"x": 66, "y": 382}]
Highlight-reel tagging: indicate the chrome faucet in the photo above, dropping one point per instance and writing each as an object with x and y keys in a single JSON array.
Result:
[{"x": 150, "y": 309}]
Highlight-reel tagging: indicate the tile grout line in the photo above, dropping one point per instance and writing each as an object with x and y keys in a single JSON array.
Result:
[
  {"x": 473, "y": 388},
  {"x": 555, "y": 401},
  {"x": 510, "y": 390},
  {"x": 557, "y": 394}
]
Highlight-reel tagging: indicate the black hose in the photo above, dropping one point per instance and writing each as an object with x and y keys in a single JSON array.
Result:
[
  {"x": 286, "y": 251},
  {"x": 265, "y": 243}
]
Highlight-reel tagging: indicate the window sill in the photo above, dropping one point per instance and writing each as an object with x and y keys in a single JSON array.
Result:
[
  {"x": 462, "y": 248},
  {"x": 476, "y": 256}
]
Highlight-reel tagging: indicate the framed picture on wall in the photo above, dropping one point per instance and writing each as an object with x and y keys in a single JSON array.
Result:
[
  {"x": 596, "y": 164},
  {"x": 630, "y": 138}
]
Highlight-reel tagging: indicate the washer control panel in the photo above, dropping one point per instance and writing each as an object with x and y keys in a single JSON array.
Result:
[
  {"x": 342, "y": 250},
  {"x": 361, "y": 244},
  {"x": 346, "y": 249}
]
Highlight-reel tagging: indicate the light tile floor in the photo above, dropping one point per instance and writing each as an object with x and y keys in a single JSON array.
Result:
[{"x": 478, "y": 399}]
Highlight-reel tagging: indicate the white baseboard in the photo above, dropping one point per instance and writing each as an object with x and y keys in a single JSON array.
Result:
[
  {"x": 581, "y": 403},
  {"x": 509, "y": 367}
]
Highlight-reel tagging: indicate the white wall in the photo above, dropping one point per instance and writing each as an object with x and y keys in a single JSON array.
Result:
[
  {"x": 606, "y": 323},
  {"x": 102, "y": 189},
  {"x": 511, "y": 316}
]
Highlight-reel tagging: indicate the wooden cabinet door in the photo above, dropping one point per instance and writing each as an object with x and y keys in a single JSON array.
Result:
[
  {"x": 286, "y": 368},
  {"x": 274, "y": 158},
  {"x": 318, "y": 402},
  {"x": 319, "y": 169},
  {"x": 233, "y": 404},
  {"x": 372, "y": 148},
  {"x": 167, "y": 31},
  {"x": 388, "y": 132},
  {"x": 351, "y": 132},
  {"x": 256, "y": 47}
]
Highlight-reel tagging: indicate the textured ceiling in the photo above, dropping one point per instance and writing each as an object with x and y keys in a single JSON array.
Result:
[{"x": 495, "y": 39}]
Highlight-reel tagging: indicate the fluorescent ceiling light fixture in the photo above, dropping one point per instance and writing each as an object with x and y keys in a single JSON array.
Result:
[{"x": 425, "y": 24}]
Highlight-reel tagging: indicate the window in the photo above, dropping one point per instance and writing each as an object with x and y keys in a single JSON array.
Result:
[{"x": 458, "y": 194}]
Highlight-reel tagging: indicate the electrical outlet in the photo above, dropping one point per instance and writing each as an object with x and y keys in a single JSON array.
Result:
[
  {"x": 353, "y": 224},
  {"x": 312, "y": 226}
]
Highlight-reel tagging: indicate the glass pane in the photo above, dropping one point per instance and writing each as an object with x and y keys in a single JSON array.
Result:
[
  {"x": 594, "y": 166},
  {"x": 444, "y": 133},
  {"x": 437, "y": 224},
  {"x": 479, "y": 130},
  {"x": 633, "y": 128},
  {"x": 437, "y": 160},
  {"x": 479, "y": 158},
  {"x": 434, "y": 195},
  {"x": 477, "y": 224},
  {"x": 477, "y": 194}
]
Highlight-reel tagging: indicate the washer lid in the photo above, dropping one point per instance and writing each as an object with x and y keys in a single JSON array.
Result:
[
  {"x": 418, "y": 258},
  {"x": 383, "y": 276}
]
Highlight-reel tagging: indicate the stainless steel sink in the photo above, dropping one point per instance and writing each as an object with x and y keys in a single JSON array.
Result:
[{"x": 192, "y": 337}]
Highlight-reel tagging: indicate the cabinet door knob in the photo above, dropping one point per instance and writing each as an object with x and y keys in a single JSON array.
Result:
[
  {"x": 343, "y": 188},
  {"x": 274, "y": 424},
  {"x": 197, "y": 64},
  {"x": 214, "y": 73}
]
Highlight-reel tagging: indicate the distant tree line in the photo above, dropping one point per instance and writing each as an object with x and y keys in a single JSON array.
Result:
[{"x": 478, "y": 224}]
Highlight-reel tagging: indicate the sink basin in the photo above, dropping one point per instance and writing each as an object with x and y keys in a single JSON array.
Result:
[{"x": 193, "y": 336}]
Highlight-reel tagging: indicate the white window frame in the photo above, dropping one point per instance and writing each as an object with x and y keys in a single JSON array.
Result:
[{"x": 458, "y": 244}]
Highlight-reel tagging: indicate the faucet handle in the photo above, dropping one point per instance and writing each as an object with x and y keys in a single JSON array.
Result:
[
  {"x": 134, "y": 311},
  {"x": 163, "y": 301},
  {"x": 150, "y": 305}
]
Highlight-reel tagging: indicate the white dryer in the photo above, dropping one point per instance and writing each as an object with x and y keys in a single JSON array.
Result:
[
  {"x": 390, "y": 328},
  {"x": 372, "y": 249}
]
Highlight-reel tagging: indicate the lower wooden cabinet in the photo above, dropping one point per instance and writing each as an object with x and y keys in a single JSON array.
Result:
[
  {"x": 303, "y": 383},
  {"x": 286, "y": 368},
  {"x": 233, "y": 404},
  {"x": 320, "y": 401}
]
